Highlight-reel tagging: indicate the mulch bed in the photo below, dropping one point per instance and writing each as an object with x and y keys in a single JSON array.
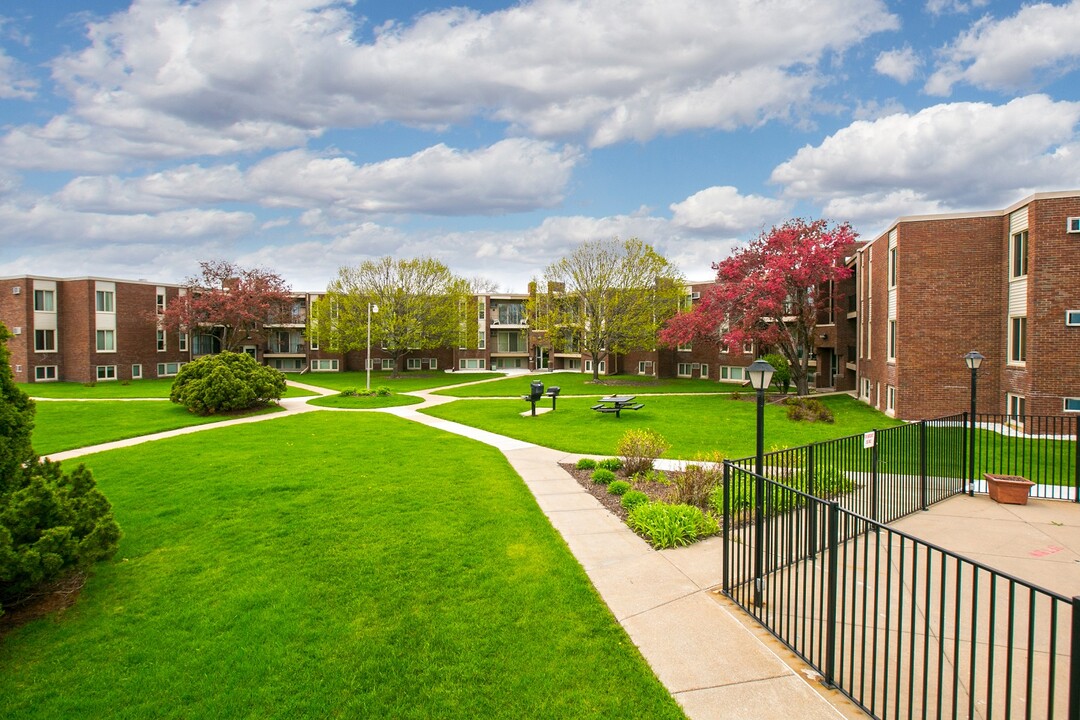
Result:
[{"x": 655, "y": 490}]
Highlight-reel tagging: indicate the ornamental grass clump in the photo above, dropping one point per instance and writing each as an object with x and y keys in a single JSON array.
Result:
[
  {"x": 668, "y": 526},
  {"x": 633, "y": 498},
  {"x": 612, "y": 464},
  {"x": 619, "y": 487},
  {"x": 602, "y": 476},
  {"x": 586, "y": 464},
  {"x": 640, "y": 448}
]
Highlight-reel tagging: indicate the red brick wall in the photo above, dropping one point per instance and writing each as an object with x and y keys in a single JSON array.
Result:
[{"x": 18, "y": 311}]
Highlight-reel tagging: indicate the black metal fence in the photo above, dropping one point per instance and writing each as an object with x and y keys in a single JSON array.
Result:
[
  {"x": 900, "y": 626},
  {"x": 905, "y": 628}
]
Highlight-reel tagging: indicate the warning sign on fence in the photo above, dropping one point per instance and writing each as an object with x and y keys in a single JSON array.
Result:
[{"x": 868, "y": 440}]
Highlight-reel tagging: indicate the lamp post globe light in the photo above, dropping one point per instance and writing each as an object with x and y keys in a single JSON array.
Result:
[
  {"x": 973, "y": 360},
  {"x": 760, "y": 373},
  {"x": 371, "y": 307}
]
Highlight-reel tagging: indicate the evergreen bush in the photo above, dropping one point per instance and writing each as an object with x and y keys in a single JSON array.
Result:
[{"x": 226, "y": 382}]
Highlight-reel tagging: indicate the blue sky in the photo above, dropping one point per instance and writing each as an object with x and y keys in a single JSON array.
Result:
[{"x": 303, "y": 135}]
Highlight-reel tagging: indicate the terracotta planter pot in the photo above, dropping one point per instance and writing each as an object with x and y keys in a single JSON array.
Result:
[{"x": 1008, "y": 489}]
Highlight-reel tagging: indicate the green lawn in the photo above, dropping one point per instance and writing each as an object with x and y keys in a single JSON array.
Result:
[
  {"x": 321, "y": 566},
  {"x": 365, "y": 403},
  {"x": 693, "y": 425},
  {"x": 61, "y": 425},
  {"x": 156, "y": 388},
  {"x": 582, "y": 384},
  {"x": 406, "y": 382}
]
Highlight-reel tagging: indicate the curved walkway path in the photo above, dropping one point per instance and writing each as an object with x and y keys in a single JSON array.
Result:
[{"x": 713, "y": 659}]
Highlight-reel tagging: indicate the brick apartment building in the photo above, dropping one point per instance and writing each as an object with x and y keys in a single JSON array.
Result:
[{"x": 1004, "y": 282}]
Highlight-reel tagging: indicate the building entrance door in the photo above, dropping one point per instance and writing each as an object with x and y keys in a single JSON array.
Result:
[{"x": 541, "y": 358}]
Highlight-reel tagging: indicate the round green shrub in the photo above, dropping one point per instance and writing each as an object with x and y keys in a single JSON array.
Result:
[
  {"x": 619, "y": 487},
  {"x": 586, "y": 464},
  {"x": 602, "y": 476},
  {"x": 611, "y": 464},
  {"x": 225, "y": 382},
  {"x": 633, "y": 498},
  {"x": 382, "y": 391},
  {"x": 668, "y": 526}
]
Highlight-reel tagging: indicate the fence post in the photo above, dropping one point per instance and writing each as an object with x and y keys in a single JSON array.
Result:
[
  {"x": 812, "y": 529},
  {"x": 964, "y": 459},
  {"x": 759, "y": 538},
  {"x": 832, "y": 591},
  {"x": 1074, "y": 663},
  {"x": 875, "y": 495},
  {"x": 922, "y": 465},
  {"x": 1076, "y": 470},
  {"x": 726, "y": 573}
]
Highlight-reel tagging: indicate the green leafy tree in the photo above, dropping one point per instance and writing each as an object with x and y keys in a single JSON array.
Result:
[
  {"x": 226, "y": 382},
  {"x": 50, "y": 521},
  {"x": 421, "y": 305},
  {"x": 605, "y": 297},
  {"x": 781, "y": 378}
]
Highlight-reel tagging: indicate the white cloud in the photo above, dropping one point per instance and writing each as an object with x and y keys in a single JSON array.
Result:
[
  {"x": 1035, "y": 44},
  {"x": 724, "y": 210},
  {"x": 513, "y": 175},
  {"x": 942, "y": 7},
  {"x": 900, "y": 65},
  {"x": 960, "y": 156},
  {"x": 165, "y": 79},
  {"x": 15, "y": 84}
]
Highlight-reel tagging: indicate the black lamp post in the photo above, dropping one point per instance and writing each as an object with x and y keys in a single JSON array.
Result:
[
  {"x": 974, "y": 360},
  {"x": 760, "y": 373}
]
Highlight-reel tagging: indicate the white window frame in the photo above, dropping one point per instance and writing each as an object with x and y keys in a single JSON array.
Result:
[
  {"x": 1013, "y": 322},
  {"x": 1015, "y": 408},
  {"x": 105, "y": 341},
  {"x": 49, "y": 306},
  {"x": 160, "y": 301},
  {"x": 105, "y": 301},
  {"x": 890, "y": 355},
  {"x": 644, "y": 367},
  {"x": 704, "y": 370},
  {"x": 1075, "y": 401},
  {"x": 684, "y": 347},
  {"x": 136, "y": 372},
  {"x": 181, "y": 343},
  {"x": 734, "y": 373},
  {"x": 748, "y": 348},
  {"x": 1018, "y": 264},
  {"x": 49, "y": 374},
  {"x": 890, "y": 398},
  {"x": 386, "y": 364},
  {"x": 684, "y": 370},
  {"x": 1072, "y": 318},
  {"x": 161, "y": 341},
  {"x": 892, "y": 267},
  {"x": 433, "y": 363},
  {"x": 412, "y": 363},
  {"x": 163, "y": 369},
  {"x": 324, "y": 365},
  {"x": 106, "y": 372},
  {"x": 45, "y": 333}
]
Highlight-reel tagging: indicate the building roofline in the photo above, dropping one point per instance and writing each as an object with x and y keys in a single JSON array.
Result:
[
  {"x": 973, "y": 214},
  {"x": 29, "y": 276}
]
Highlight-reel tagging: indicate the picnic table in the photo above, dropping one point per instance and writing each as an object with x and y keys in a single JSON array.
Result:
[{"x": 616, "y": 404}]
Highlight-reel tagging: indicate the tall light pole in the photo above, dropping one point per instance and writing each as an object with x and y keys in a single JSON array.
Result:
[
  {"x": 760, "y": 373},
  {"x": 371, "y": 307},
  {"x": 974, "y": 360}
]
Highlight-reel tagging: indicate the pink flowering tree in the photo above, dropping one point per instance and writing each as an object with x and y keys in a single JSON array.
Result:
[{"x": 771, "y": 293}]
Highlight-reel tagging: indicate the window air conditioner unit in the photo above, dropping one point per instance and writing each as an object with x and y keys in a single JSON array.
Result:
[
  {"x": 16, "y": 330},
  {"x": 16, "y": 290},
  {"x": 1072, "y": 225}
]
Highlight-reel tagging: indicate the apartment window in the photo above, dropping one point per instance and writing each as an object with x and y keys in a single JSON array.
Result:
[
  {"x": 106, "y": 301},
  {"x": 1018, "y": 252},
  {"x": 704, "y": 370},
  {"x": 481, "y": 340},
  {"x": 313, "y": 342},
  {"x": 160, "y": 303},
  {"x": 45, "y": 340},
  {"x": 1072, "y": 404},
  {"x": 168, "y": 369},
  {"x": 511, "y": 342},
  {"x": 1017, "y": 340},
  {"x": 1072, "y": 318},
  {"x": 161, "y": 340},
  {"x": 433, "y": 364},
  {"x": 44, "y": 373},
  {"x": 748, "y": 348},
  {"x": 892, "y": 267},
  {"x": 890, "y": 398},
  {"x": 106, "y": 341},
  {"x": 599, "y": 366},
  {"x": 866, "y": 388},
  {"x": 182, "y": 342},
  {"x": 412, "y": 364},
  {"x": 106, "y": 372},
  {"x": 324, "y": 365},
  {"x": 728, "y": 372},
  {"x": 136, "y": 372},
  {"x": 683, "y": 370},
  {"x": 1016, "y": 406},
  {"x": 644, "y": 367},
  {"x": 684, "y": 347},
  {"x": 892, "y": 340},
  {"x": 387, "y": 364},
  {"x": 45, "y": 301}
]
